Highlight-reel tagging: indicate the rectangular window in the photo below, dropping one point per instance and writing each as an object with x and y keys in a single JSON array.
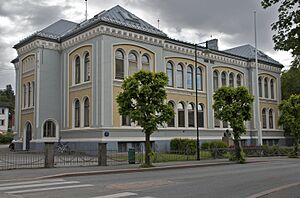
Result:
[
  {"x": 1, "y": 122},
  {"x": 2, "y": 111},
  {"x": 122, "y": 147}
]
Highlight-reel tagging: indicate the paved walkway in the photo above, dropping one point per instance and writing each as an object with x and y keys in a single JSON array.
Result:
[{"x": 27, "y": 174}]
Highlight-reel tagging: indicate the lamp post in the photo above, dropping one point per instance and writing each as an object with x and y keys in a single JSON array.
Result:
[{"x": 196, "y": 92}]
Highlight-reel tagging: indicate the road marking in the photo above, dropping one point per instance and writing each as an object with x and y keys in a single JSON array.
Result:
[
  {"x": 147, "y": 197},
  {"x": 37, "y": 185},
  {"x": 274, "y": 190},
  {"x": 124, "y": 194},
  {"x": 52, "y": 188},
  {"x": 31, "y": 182}
]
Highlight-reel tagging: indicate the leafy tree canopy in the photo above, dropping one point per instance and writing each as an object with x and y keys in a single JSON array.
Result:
[
  {"x": 290, "y": 117},
  {"x": 144, "y": 100},
  {"x": 288, "y": 25},
  {"x": 233, "y": 105},
  {"x": 7, "y": 98}
]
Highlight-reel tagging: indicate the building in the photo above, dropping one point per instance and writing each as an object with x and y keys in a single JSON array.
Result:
[
  {"x": 4, "y": 118},
  {"x": 68, "y": 76}
]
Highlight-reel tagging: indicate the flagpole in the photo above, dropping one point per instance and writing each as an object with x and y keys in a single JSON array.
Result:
[{"x": 258, "y": 123}]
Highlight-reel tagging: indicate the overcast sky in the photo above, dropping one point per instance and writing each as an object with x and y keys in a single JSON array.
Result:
[{"x": 230, "y": 21}]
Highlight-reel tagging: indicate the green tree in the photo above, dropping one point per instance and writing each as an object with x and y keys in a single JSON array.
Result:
[
  {"x": 290, "y": 118},
  {"x": 290, "y": 82},
  {"x": 233, "y": 105},
  {"x": 288, "y": 25},
  {"x": 7, "y": 99},
  {"x": 143, "y": 100}
]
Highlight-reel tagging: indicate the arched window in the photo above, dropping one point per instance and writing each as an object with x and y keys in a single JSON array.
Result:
[
  {"x": 86, "y": 112},
  {"x": 199, "y": 79},
  {"x": 171, "y": 123},
  {"x": 119, "y": 59},
  {"x": 223, "y": 79},
  {"x": 145, "y": 62},
  {"x": 200, "y": 115},
  {"x": 216, "y": 80},
  {"x": 126, "y": 121},
  {"x": 225, "y": 124},
  {"x": 181, "y": 117},
  {"x": 179, "y": 76},
  {"x": 170, "y": 71},
  {"x": 29, "y": 93},
  {"x": 77, "y": 70},
  {"x": 132, "y": 67},
  {"x": 264, "y": 119},
  {"x": 238, "y": 80},
  {"x": 49, "y": 129},
  {"x": 272, "y": 89},
  {"x": 260, "y": 87},
  {"x": 231, "y": 80},
  {"x": 271, "y": 123},
  {"x": 32, "y": 85},
  {"x": 77, "y": 114},
  {"x": 217, "y": 122},
  {"x": 191, "y": 115},
  {"x": 87, "y": 68},
  {"x": 24, "y": 95},
  {"x": 189, "y": 79},
  {"x": 266, "y": 88}
]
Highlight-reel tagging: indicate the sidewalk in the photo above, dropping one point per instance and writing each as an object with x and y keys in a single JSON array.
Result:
[{"x": 42, "y": 173}]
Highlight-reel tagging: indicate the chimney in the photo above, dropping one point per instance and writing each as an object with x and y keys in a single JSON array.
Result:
[{"x": 212, "y": 44}]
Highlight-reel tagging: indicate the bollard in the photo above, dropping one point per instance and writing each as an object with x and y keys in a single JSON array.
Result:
[
  {"x": 49, "y": 154},
  {"x": 102, "y": 159}
]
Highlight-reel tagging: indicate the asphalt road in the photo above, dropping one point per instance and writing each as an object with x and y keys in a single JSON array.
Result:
[{"x": 275, "y": 178}]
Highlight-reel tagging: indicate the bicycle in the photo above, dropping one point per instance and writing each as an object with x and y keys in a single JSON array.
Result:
[{"x": 61, "y": 147}]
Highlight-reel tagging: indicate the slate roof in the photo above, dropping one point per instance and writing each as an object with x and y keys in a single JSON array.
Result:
[
  {"x": 122, "y": 17},
  {"x": 53, "y": 32},
  {"x": 248, "y": 51}
]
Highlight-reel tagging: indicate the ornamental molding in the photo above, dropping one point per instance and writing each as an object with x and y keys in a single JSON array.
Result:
[
  {"x": 38, "y": 44},
  {"x": 111, "y": 31},
  {"x": 81, "y": 86}
]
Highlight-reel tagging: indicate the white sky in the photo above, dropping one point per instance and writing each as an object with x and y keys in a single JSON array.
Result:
[{"x": 230, "y": 21}]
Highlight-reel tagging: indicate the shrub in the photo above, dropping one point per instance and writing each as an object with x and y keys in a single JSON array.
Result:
[
  {"x": 213, "y": 145},
  {"x": 6, "y": 138},
  {"x": 186, "y": 146}
]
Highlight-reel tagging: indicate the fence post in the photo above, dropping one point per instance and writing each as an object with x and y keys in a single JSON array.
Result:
[
  {"x": 49, "y": 154},
  {"x": 102, "y": 150}
]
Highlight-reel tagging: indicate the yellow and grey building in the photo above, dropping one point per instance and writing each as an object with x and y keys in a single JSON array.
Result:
[{"x": 69, "y": 74}]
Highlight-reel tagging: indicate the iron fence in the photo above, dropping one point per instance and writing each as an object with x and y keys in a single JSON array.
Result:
[
  {"x": 21, "y": 159},
  {"x": 75, "y": 158}
]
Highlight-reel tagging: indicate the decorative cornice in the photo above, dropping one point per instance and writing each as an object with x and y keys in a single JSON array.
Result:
[
  {"x": 81, "y": 86},
  {"x": 38, "y": 44},
  {"x": 111, "y": 31}
]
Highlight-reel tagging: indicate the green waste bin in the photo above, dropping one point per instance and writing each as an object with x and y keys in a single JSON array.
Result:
[{"x": 131, "y": 156}]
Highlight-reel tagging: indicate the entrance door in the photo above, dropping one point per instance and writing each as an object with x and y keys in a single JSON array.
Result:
[{"x": 28, "y": 136}]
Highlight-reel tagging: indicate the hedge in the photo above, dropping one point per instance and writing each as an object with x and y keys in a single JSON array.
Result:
[
  {"x": 6, "y": 138},
  {"x": 186, "y": 146}
]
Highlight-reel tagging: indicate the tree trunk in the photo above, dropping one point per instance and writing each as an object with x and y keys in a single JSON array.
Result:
[
  {"x": 148, "y": 149},
  {"x": 237, "y": 147}
]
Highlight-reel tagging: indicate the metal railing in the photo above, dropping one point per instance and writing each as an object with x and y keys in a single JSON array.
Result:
[
  {"x": 75, "y": 158},
  {"x": 21, "y": 159}
]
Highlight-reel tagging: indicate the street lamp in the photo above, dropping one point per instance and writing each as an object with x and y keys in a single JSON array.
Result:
[{"x": 196, "y": 92}]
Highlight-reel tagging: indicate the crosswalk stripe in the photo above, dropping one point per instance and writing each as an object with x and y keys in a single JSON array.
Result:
[
  {"x": 124, "y": 194},
  {"x": 51, "y": 188},
  {"x": 147, "y": 197},
  {"x": 37, "y": 185},
  {"x": 31, "y": 182}
]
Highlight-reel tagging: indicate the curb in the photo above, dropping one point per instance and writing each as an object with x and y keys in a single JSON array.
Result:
[{"x": 131, "y": 170}]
